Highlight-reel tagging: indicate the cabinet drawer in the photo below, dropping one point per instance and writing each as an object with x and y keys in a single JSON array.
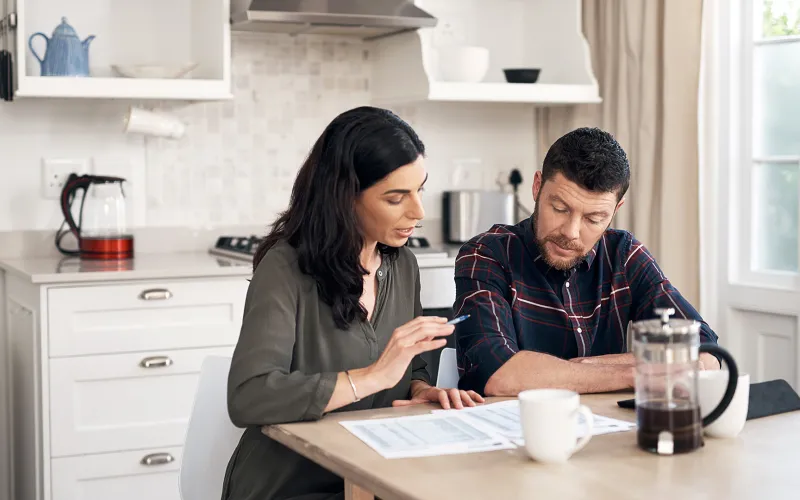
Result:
[
  {"x": 121, "y": 476},
  {"x": 123, "y": 401},
  {"x": 138, "y": 317}
]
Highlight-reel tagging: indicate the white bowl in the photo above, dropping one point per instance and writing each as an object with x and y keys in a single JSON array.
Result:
[
  {"x": 153, "y": 70},
  {"x": 466, "y": 64}
]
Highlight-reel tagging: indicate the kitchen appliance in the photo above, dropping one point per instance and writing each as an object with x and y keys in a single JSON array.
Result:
[
  {"x": 65, "y": 54},
  {"x": 362, "y": 18},
  {"x": 101, "y": 228},
  {"x": 244, "y": 248},
  {"x": 468, "y": 213},
  {"x": 667, "y": 404}
]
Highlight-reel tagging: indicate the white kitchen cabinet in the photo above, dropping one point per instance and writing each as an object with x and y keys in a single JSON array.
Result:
[
  {"x": 103, "y": 378},
  {"x": 170, "y": 33},
  {"x": 544, "y": 34}
]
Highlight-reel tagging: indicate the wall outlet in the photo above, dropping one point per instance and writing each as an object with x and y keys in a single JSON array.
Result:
[{"x": 55, "y": 173}]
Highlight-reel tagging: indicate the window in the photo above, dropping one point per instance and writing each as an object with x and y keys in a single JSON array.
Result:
[{"x": 769, "y": 145}]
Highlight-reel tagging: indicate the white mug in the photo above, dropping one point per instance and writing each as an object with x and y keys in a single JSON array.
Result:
[
  {"x": 142, "y": 121},
  {"x": 550, "y": 423},
  {"x": 711, "y": 386}
]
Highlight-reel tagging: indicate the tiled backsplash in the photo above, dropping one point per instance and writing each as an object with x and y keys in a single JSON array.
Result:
[{"x": 238, "y": 159}]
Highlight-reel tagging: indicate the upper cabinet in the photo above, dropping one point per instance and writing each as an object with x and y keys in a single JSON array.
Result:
[
  {"x": 423, "y": 50},
  {"x": 142, "y": 49},
  {"x": 464, "y": 57}
]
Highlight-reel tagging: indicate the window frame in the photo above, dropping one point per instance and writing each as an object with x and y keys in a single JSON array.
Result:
[{"x": 743, "y": 163}]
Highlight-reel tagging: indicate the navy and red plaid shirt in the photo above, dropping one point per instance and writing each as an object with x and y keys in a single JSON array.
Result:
[{"x": 518, "y": 302}]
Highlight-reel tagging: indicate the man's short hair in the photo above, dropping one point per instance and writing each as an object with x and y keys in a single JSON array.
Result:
[{"x": 591, "y": 158}]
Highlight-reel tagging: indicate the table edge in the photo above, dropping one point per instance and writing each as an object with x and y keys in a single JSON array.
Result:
[{"x": 337, "y": 466}]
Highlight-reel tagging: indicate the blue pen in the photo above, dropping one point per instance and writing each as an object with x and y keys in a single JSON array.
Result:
[{"x": 457, "y": 320}]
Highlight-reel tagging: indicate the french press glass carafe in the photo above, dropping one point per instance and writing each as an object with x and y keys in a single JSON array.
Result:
[{"x": 667, "y": 407}]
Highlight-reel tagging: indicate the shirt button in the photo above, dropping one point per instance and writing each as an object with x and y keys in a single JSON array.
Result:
[
  {"x": 580, "y": 330},
  {"x": 567, "y": 284}
]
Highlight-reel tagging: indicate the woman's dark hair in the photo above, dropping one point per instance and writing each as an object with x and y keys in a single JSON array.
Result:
[
  {"x": 592, "y": 159},
  {"x": 356, "y": 150}
]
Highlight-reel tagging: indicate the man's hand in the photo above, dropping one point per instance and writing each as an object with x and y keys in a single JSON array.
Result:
[
  {"x": 625, "y": 358},
  {"x": 707, "y": 361}
]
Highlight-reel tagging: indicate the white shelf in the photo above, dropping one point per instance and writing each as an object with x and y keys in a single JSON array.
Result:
[
  {"x": 183, "y": 31},
  {"x": 543, "y": 34},
  {"x": 122, "y": 88},
  {"x": 541, "y": 94}
]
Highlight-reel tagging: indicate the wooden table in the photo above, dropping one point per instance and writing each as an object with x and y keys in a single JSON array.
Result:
[{"x": 763, "y": 462}]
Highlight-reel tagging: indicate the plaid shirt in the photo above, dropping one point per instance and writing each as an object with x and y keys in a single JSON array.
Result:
[{"x": 518, "y": 302}]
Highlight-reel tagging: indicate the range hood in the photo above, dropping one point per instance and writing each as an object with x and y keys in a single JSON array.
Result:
[{"x": 361, "y": 18}]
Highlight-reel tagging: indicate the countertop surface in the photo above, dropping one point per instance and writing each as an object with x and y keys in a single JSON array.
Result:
[
  {"x": 159, "y": 266},
  {"x": 143, "y": 266}
]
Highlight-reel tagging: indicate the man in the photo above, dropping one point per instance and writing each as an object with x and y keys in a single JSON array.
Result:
[{"x": 550, "y": 298}]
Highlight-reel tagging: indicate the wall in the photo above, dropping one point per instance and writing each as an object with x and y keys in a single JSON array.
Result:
[{"x": 237, "y": 162}]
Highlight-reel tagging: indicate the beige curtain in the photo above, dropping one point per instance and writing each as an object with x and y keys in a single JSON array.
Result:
[{"x": 646, "y": 57}]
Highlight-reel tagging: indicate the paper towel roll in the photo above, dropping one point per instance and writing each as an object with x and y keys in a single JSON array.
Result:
[{"x": 142, "y": 121}]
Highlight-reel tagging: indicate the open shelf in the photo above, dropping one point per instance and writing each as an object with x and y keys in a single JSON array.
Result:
[
  {"x": 543, "y": 94},
  {"x": 544, "y": 34},
  {"x": 122, "y": 88},
  {"x": 145, "y": 32}
]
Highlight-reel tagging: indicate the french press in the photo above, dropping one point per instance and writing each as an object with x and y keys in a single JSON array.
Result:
[{"x": 667, "y": 407}]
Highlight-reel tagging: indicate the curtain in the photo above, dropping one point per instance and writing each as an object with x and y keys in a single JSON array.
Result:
[{"x": 646, "y": 57}]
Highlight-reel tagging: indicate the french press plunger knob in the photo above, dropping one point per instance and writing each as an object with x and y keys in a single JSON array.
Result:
[{"x": 665, "y": 313}]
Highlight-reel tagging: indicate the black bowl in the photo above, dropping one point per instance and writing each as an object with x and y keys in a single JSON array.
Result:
[{"x": 522, "y": 75}]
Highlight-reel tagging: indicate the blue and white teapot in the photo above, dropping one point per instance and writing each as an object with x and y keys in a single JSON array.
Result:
[{"x": 65, "y": 53}]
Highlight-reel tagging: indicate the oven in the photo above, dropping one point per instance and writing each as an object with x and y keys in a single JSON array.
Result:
[{"x": 436, "y": 271}]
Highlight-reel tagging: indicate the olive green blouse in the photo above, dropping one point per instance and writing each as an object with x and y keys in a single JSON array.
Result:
[{"x": 285, "y": 367}]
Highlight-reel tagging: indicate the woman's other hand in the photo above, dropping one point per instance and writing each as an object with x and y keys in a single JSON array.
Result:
[
  {"x": 447, "y": 398},
  {"x": 419, "y": 335}
]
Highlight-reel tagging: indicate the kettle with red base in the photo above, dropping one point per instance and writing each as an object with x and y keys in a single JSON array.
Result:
[{"x": 101, "y": 227}]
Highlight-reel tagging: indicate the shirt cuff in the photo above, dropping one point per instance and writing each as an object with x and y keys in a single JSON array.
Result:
[
  {"x": 322, "y": 395},
  {"x": 482, "y": 364}
]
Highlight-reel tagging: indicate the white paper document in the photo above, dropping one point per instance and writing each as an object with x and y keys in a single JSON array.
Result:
[
  {"x": 504, "y": 419},
  {"x": 430, "y": 434}
]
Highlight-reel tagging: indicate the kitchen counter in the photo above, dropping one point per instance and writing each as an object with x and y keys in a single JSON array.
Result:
[
  {"x": 44, "y": 270},
  {"x": 54, "y": 270}
]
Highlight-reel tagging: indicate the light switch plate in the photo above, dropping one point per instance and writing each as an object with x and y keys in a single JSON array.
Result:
[{"x": 56, "y": 171}]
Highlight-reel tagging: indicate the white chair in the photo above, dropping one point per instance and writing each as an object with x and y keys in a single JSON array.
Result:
[
  {"x": 211, "y": 437},
  {"x": 447, "y": 378}
]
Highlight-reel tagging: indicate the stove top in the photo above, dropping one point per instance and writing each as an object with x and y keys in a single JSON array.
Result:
[{"x": 244, "y": 247}]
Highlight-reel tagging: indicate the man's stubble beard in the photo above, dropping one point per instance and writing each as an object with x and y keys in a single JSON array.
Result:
[{"x": 560, "y": 241}]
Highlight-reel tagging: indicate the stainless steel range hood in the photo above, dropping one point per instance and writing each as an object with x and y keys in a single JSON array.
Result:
[{"x": 362, "y": 18}]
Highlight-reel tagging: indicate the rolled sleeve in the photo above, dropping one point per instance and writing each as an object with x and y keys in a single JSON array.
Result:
[
  {"x": 487, "y": 339},
  {"x": 262, "y": 388}
]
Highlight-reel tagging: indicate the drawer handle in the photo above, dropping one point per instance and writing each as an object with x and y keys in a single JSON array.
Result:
[
  {"x": 157, "y": 459},
  {"x": 156, "y": 362},
  {"x": 155, "y": 294}
]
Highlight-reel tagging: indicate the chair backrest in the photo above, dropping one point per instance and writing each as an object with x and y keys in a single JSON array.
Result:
[
  {"x": 447, "y": 378},
  {"x": 210, "y": 437}
]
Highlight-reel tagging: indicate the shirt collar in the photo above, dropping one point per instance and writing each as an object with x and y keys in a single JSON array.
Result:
[{"x": 533, "y": 248}]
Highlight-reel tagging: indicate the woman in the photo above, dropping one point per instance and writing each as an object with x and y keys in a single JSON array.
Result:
[{"x": 332, "y": 318}]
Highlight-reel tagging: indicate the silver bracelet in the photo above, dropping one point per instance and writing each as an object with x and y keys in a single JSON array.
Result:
[{"x": 352, "y": 385}]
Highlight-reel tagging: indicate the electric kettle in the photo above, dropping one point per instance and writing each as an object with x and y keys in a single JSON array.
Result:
[{"x": 101, "y": 228}]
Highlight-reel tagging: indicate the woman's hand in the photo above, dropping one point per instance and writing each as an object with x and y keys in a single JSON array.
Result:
[
  {"x": 415, "y": 337},
  {"x": 448, "y": 398}
]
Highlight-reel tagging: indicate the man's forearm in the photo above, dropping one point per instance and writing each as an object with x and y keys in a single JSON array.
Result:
[{"x": 534, "y": 370}]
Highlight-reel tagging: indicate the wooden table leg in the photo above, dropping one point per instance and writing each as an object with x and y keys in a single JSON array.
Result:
[{"x": 353, "y": 491}]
